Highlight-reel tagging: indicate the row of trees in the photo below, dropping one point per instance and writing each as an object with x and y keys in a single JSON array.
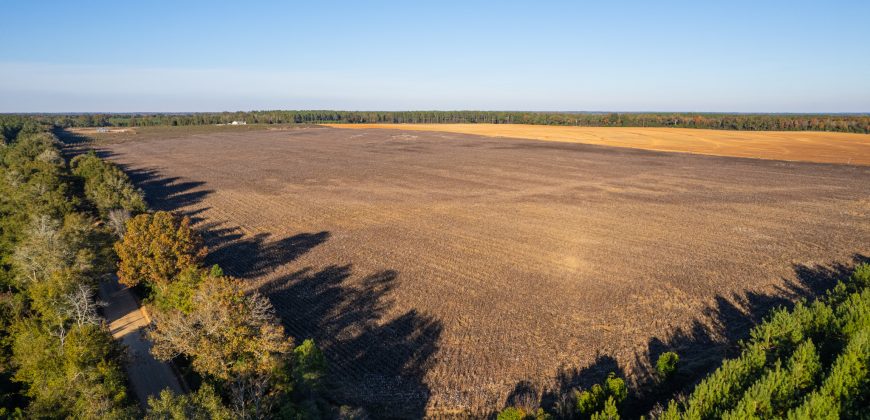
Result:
[
  {"x": 598, "y": 402},
  {"x": 58, "y": 358},
  {"x": 232, "y": 339},
  {"x": 106, "y": 186},
  {"x": 806, "y": 363},
  {"x": 811, "y": 362},
  {"x": 788, "y": 122}
]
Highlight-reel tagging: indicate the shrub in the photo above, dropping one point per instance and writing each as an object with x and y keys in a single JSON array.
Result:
[
  {"x": 596, "y": 398},
  {"x": 666, "y": 365},
  {"x": 511, "y": 413},
  {"x": 609, "y": 412},
  {"x": 309, "y": 366},
  {"x": 616, "y": 388}
]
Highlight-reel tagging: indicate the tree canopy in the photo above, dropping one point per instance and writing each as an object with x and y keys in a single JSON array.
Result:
[{"x": 156, "y": 248}]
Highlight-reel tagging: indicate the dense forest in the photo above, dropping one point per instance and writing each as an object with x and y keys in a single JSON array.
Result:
[
  {"x": 785, "y": 122},
  {"x": 58, "y": 358}
]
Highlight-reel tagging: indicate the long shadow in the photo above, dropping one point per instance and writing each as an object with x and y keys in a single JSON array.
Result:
[
  {"x": 161, "y": 192},
  {"x": 166, "y": 193},
  {"x": 71, "y": 138},
  {"x": 74, "y": 144},
  {"x": 254, "y": 256},
  {"x": 702, "y": 346},
  {"x": 375, "y": 362}
]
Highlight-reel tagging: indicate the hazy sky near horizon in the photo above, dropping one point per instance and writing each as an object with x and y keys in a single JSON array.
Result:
[{"x": 734, "y": 56}]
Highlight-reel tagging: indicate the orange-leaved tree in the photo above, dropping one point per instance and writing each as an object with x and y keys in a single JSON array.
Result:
[{"x": 156, "y": 248}]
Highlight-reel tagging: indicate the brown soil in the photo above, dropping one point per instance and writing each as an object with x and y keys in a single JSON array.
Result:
[
  {"x": 101, "y": 130},
  {"x": 445, "y": 272},
  {"x": 803, "y": 146}
]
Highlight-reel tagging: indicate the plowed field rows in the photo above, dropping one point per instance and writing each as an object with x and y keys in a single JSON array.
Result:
[
  {"x": 799, "y": 146},
  {"x": 439, "y": 271}
]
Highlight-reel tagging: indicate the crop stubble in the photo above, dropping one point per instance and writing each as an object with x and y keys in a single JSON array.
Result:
[
  {"x": 438, "y": 270},
  {"x": 800, "y": 146}
]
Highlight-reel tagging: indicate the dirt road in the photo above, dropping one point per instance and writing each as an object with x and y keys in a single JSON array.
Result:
[{"x": 127, "y": 322}]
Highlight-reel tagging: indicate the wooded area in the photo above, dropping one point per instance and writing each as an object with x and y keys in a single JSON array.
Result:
[
  {"x": 59, "y": 223},
  {"x": 848, "y": 123}
]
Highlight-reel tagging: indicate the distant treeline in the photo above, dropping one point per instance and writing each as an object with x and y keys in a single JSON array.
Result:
[{"x": 848, "y": 123}]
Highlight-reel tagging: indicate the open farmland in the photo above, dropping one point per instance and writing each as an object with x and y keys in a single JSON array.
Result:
[
  {"x": 443, "y": 272},
  {"x": 805, "y": 146}
]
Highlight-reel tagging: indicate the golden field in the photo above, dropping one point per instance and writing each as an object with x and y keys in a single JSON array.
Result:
[{"x": 803, "y": 146}]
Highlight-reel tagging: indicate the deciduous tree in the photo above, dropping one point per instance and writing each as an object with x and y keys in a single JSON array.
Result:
[
  {"x": 231, "y": 336},
  {"x": 156, "y": 248}
]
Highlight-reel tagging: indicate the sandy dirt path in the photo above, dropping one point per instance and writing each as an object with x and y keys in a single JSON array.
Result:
[
  {"x": 799, "y": 146},
  {"x": 127, "y": 322}
]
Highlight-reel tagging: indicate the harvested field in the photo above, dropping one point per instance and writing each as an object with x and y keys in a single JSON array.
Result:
[
  {"x": 802, "y": 146},
  {"x": 444, "y": 272},
  {"x": 100, "y": 130}
]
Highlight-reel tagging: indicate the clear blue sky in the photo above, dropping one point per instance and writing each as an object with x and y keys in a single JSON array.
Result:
[{"x": 753, "y": 56}]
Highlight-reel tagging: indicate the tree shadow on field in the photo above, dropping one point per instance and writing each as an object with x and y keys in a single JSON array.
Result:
[
  {"x": 702, "y": 346},
  {"x": 375, "y": 361},
  {"x": 70, "y": 138},
  {"x": 249, "y": 257},
  {"x": 167, "y": 193},
  {"x": 557, "y": 398},
  {"x": 161, "y": 192},
  {"x": 524, "y": 395}
]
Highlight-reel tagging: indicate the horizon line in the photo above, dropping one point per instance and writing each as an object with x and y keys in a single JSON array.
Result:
[{"x": 849, "y": 113}]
